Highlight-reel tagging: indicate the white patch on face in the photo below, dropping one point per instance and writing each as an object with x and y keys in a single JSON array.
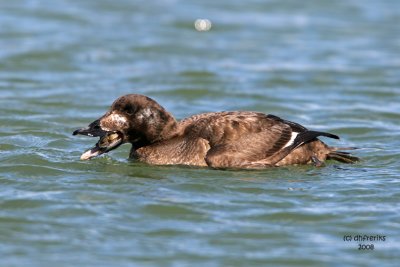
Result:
[
  {"x": 105, "y": 128},
  {"x": 114, "y": 119},
  {"x": 147, "y": 115},
  {"x": 290, "y": 142},
  {"x": 119, "y": 119}
]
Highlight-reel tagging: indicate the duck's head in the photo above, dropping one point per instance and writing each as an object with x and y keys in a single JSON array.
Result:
[{"x": 132, "y": 118}]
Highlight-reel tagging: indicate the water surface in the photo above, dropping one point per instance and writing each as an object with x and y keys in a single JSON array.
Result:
[{"x": 329, "y": 65}]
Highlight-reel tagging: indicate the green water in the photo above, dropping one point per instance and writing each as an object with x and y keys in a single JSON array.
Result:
[{"x": 329, "y": 65}]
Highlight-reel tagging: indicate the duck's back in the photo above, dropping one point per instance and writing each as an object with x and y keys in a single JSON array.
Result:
[
  {"x": 227, "y": 139},
  {"x": 238, "y": 128}
]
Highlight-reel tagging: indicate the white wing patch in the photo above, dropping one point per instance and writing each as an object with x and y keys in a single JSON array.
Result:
[{"x": 291, "y": 141}]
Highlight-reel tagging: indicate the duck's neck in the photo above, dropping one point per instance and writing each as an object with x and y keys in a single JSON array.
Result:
[
  {"x": 167, "y": 129},
  {"x": 157, "y": 131},
  {"x": 152, "y": 125}
]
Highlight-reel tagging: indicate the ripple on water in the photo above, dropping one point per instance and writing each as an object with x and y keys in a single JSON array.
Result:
[{"x": 328, "y": 65}]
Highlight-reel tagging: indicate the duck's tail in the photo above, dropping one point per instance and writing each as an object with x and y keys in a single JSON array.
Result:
[{"x": 341, "y": 156}]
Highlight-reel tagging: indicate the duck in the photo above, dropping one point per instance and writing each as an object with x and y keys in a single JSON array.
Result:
[{"x": 220, "y": 140}]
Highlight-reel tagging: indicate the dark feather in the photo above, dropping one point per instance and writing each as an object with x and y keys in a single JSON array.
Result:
[
  {"x": 307, "y": 136},
  {"x": 343, "y": 157}
]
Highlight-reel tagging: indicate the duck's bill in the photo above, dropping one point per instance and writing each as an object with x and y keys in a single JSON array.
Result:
[{"x": 107, "y": 142}]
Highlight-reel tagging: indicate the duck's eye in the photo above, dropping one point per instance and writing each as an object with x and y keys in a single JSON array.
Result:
[{"x": 129, "y": 109}]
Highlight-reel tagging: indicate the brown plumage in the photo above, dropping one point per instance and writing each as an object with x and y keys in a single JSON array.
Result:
[{"x": 236, "y": 139}]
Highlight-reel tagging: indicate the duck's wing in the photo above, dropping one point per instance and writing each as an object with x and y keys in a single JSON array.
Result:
[{"x": 241, "y": 139}]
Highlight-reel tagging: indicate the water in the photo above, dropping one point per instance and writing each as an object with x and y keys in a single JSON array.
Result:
[{"x": 329, "y": 65}]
